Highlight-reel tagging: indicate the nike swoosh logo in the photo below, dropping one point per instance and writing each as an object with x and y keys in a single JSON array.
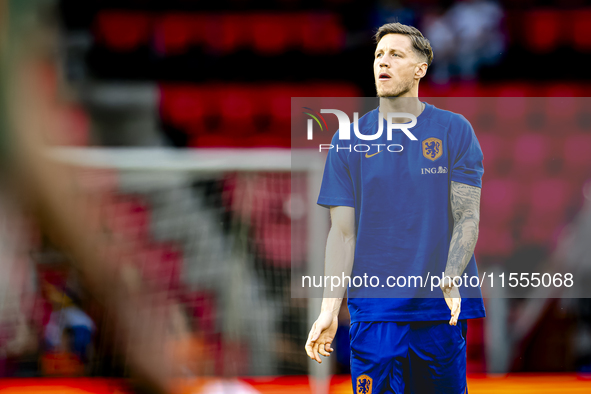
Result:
[{"x": 368, "y": 156}]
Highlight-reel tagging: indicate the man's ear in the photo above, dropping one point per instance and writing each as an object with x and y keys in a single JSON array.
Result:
[{"x": 421, "y": 70}]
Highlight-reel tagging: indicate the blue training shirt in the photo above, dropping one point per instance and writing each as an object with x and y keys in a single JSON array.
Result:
[{"x": 403, "y": 212}]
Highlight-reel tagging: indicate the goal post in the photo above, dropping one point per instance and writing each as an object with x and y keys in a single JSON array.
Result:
[{"x": 239, "y": 219}]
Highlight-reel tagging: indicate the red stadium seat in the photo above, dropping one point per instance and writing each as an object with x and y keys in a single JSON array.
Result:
[
  {"x": 515, "y": 89},
  {"x": 499, "y": 201},
  {"x": 239, "y": 112},
  {"x": 543, "y": 234},
  {"x": 198, "y": 28},
  {"x": 452, "y": 90},
  {"x": 510, "y": 114},
  {"x": 467, "y": 106},
  {"x": 530, "y": 153},
  {"x": 542, "y": 30},
  {"x": 122, "y": 31},
  {"x": 235, "y": 29},
  {"x": 494, "y": 241},
  {"x": 550, "y": 196},
  {"x": 270, "y": 33},
  {"x": 333, "y": 34},
  {"x": 581, "y": 29},
  {"x": 226, "y": 33},
  {"x": 561, "y": 105},
  {"x": 174, "y": 33},
  {"x": 547, "y": 202},
  {"x": 564, "y": 89},
  {"x": 184, "y": 107},
  {"x": 321, "y": 33},
  {"x": 279, "y": 98},
  {"x": 493, "y": 150},
  {"x": 577, "y": 160},
  {"x": 242, "y": 111}
]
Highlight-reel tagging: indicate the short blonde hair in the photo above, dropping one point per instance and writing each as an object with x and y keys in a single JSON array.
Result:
[{"x": 420, "y": 44}]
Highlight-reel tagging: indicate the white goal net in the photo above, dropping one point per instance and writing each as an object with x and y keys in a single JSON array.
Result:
[{"x": 214, "y": 235}]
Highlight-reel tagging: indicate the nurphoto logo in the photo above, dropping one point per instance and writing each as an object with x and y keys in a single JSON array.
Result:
[{"x": 345, "y": 129}]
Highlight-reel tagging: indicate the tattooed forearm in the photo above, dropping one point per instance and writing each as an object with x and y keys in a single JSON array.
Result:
[{"x": 465, "y": 205}]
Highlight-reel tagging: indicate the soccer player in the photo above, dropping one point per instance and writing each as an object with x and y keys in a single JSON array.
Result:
[{"x": 404, "y": 210}]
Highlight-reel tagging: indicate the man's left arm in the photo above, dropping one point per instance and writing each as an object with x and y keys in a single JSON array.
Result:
[{"x": 465, "y": 206}]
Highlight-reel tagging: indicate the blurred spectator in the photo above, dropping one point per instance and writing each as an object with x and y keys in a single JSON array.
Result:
[
  {"x": 387, "y": 11},
  {"x": 464, "y": 38},
  {"x": 68, "y": 333}
]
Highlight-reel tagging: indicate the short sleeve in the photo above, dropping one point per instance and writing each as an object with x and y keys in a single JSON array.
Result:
[
  {"x": 337, "y": 186},
  {"x": 467, "y": 155}
]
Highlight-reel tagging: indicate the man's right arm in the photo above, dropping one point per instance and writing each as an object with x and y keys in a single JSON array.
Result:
[{"x": 340, "y": 250}]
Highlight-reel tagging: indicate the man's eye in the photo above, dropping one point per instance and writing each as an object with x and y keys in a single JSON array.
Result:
[{"x": 379, "y": 55}]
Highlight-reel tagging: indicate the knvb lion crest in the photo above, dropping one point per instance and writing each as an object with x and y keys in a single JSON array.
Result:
[
  {"x": 364, "y": 385},
  {"x": 432, "y": 148}
]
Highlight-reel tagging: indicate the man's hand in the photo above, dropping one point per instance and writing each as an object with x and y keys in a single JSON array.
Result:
[
  {"x": 453, "y": 301},
  {"x": 321, "y": 336}
]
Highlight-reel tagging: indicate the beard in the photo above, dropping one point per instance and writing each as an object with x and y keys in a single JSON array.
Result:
[{"x": 395, "y": 91}]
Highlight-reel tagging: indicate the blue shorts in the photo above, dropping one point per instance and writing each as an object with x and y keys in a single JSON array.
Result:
[{"x": 408, "y": 357}]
